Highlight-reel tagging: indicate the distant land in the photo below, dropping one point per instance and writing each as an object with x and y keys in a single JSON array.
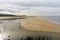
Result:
[{"x": 6, "y": 15}]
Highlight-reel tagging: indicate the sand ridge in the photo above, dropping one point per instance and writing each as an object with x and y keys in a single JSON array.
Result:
[{"x": 39, "y": 24}]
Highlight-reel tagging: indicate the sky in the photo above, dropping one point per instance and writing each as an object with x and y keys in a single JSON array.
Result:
[{"x": 30, "y": 7}]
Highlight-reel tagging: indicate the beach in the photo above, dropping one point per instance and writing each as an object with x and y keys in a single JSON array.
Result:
[{"x": 13, "y": 29}]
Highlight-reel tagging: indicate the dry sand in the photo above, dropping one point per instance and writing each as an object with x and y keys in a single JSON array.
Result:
[{"x": 39, "y": 24}]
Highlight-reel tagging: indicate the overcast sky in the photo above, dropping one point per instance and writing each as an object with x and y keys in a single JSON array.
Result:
[{"x": 31, "y": 7}]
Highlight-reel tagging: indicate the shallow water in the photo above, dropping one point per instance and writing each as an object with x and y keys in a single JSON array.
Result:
[{"x": 54, "y": 19}]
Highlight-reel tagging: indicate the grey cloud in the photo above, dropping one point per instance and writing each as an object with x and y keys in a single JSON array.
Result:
[
  {"x": 37, "y": 4},
  {"x": 2, "y": 9},
  {"x": 49, "y": 3},
  {"x": 24, "y": 8}
]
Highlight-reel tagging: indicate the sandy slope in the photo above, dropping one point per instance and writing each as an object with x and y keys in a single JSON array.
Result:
[{"x": 40, "y": 24}]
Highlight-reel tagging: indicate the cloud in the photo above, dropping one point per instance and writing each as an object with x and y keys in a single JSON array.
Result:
[
  {"x": 31, "y": 7},
  {"x": 35, "y": 3}
]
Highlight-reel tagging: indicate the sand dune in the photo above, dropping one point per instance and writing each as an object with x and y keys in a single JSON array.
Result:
[{"x": 39, "y": 24}]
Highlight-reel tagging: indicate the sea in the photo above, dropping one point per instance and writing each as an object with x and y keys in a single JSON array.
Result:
[{"x": 55, "y": 19}]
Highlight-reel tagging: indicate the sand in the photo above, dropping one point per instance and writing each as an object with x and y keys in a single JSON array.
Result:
[{"x": 39, "y": 24}]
